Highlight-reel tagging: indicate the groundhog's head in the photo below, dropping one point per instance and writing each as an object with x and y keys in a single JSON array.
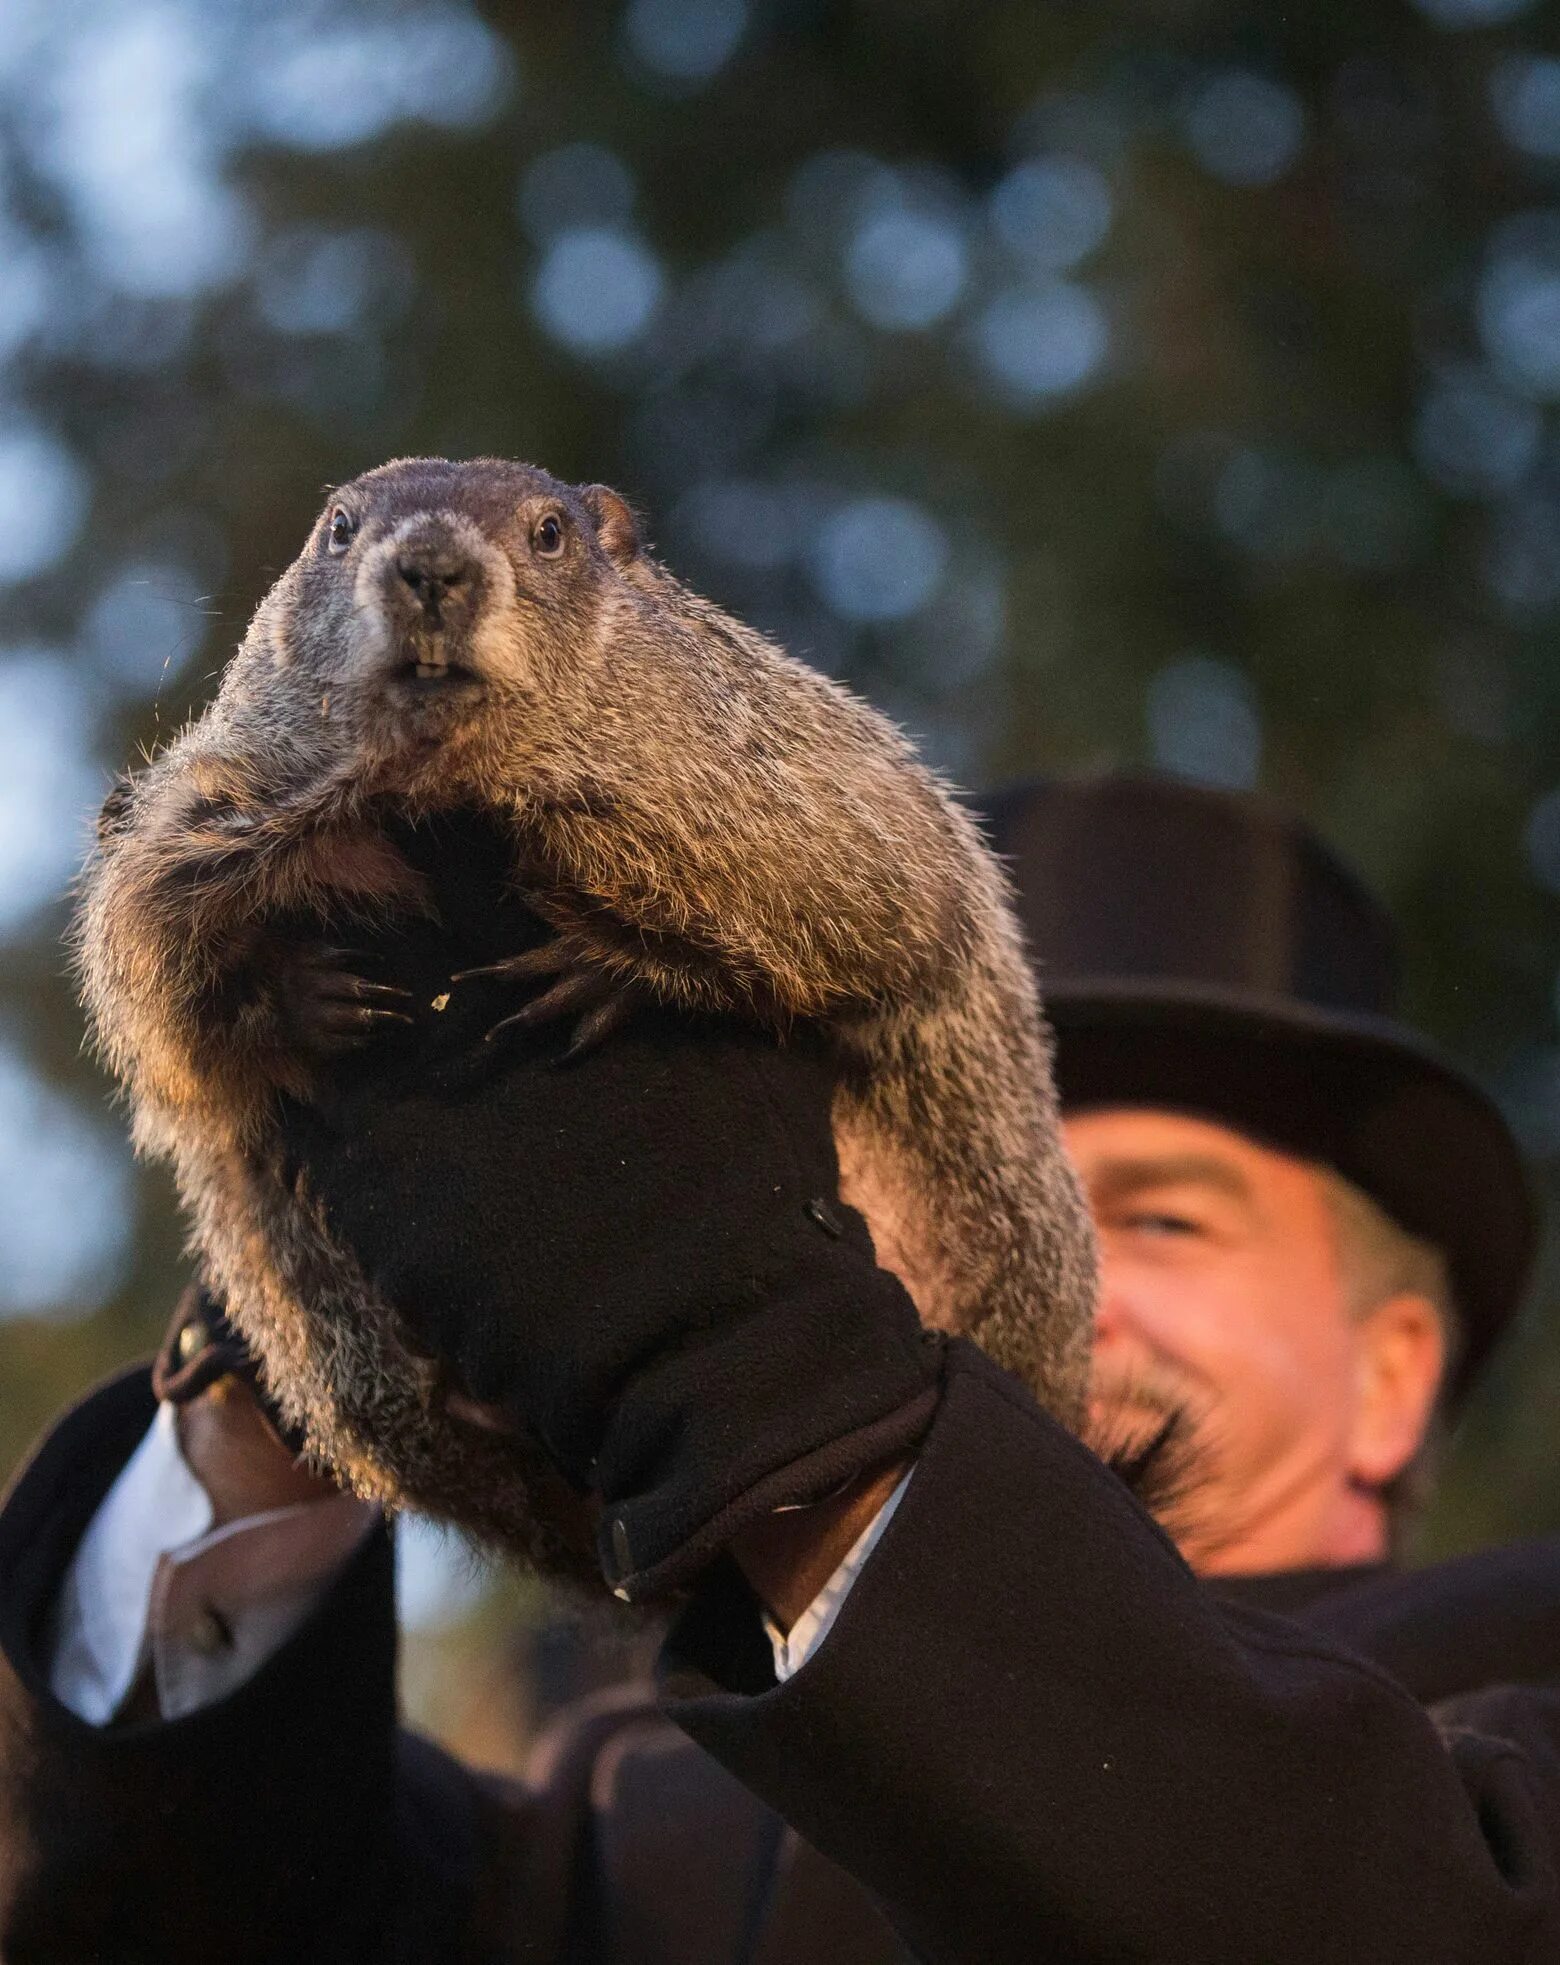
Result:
[{"x": 430, "y": 591}]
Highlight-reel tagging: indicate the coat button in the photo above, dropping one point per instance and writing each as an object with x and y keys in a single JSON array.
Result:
[
  {"x": 820, "y": 1211},
  {"x": 208, "y": 1633}
]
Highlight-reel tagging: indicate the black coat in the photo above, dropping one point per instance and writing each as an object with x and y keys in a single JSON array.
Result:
[{"x": 1031, "y": 1733}]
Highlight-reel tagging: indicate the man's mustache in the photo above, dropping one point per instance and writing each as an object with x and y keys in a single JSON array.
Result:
[
  {"x": 1149, "y": 1386},
  {"x": 1150, "y": 1424}
]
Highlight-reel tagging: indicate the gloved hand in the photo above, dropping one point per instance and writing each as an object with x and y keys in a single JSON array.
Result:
[
  {"x": 231, "y": 1434},
  {"x": 640, "y": 1256},
  {"x": 199, "y": 1348}
]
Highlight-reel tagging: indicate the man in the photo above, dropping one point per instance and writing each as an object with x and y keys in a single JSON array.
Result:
[
  {"x": 1018, "y": 1721},
  {"x": 1221, "y": 988}
]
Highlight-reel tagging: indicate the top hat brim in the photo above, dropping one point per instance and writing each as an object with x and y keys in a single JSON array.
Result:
[{"x": 1351, "y": 1090}]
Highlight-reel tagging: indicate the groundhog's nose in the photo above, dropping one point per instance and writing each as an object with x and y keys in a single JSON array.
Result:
[{"x": 433, "y": 573}]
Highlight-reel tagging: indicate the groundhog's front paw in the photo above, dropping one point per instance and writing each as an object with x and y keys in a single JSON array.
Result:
[
  {"x": 326, "y": 1009},
  {"x": 583, "y": 989}
]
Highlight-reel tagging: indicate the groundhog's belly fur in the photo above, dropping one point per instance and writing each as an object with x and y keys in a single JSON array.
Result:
[{"x": 692, "y": 809}]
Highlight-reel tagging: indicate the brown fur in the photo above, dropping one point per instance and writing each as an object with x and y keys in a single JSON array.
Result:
[{"x": 692, "y": 809}]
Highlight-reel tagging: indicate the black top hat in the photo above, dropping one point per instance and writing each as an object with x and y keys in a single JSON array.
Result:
[{"x": 1203, "y": 951}]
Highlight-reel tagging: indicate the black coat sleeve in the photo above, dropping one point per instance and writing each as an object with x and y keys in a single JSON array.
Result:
[
  {"x": 1033, "y": 1735},
  {"x": 290, "y": 1820}
]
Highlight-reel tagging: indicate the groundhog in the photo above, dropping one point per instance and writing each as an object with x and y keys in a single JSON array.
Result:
[{"x": 700, "y": 819}]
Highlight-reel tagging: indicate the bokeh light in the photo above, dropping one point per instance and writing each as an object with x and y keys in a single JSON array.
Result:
[
  {"x": 50, "y": 785},
  {"x": 878, "y": 559},
  {"x": 1264, "y": 502},
  {"x": 1246, "y": 129},
  {"x": 30, "y": 292},
  {"x": 1052, "y": 212},
  {"x": 65, "y": 1203},
  {"x": 684, "y": 41},
  {"x": 830, "y": 190},
  {"x": 1519, "y": 302},
  {"x": 740, "y": 521},
  {"x": 1034, "y": 345},
  {"x": 331, "y": 83},
  {"x": 44, "y": 496},
  {"x": 1474, "y": 436},
  {"x": 597, "y": 289},
  {"x": 1525, "y": 94},
  {"x": 129, "y": 143},
  {"x": 314, "y": 280},
  {"x": 906, "y": 268},
  {"x": 143, "y": 627},
  {"x": 1203, "y": 724}
]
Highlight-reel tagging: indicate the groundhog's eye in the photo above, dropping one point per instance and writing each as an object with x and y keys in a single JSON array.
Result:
[
  {"x": 548, "y": 536},
  {"x": 340, "y": 530}
]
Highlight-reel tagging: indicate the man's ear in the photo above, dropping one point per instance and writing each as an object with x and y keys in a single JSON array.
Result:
[
  {"x": 616, "y": 526},
  {"x": 1400, "y": 1355}
]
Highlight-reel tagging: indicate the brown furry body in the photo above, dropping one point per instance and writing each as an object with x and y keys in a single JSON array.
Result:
[{"x": 691, "y": 809}]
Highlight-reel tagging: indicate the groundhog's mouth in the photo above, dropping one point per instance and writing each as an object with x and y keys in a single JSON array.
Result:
[{"x": 424, "y": 671}]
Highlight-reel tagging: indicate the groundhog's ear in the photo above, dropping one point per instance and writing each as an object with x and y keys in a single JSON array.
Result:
[
  {"x": 616, "y": 526},
  {"x": 114, "y": 812}
]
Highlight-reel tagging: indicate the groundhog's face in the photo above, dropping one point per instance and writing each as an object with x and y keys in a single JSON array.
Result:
[{"x": 430, "y": 590}]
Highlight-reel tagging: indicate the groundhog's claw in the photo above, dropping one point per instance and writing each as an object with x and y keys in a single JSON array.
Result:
[
  {"x": 603, "y": 1001},
  {"x": 327, "y": 1009},
  {"x": 551, "y": 959},
  {"x": 579, "y": 990},
  {"x": 595, "y": 1028}
]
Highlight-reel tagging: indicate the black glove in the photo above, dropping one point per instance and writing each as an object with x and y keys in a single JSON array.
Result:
[
  {"x": 199, "y": 1347},
  {"x": 640, "y": 1255}
]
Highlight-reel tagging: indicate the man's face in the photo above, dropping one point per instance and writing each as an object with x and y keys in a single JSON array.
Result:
[{"x": 1223, "y": 1295}]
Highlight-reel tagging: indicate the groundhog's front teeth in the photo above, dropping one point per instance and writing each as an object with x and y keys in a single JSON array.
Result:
[
  {"x": 426, "y": 659},
  {"x": 426, "y": 675},
  {"x": 425, "y": 656},
  {"x": 439, "y": 669}
]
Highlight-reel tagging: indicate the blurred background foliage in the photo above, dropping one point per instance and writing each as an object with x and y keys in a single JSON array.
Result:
[{"x": 1153, "y": 382}]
